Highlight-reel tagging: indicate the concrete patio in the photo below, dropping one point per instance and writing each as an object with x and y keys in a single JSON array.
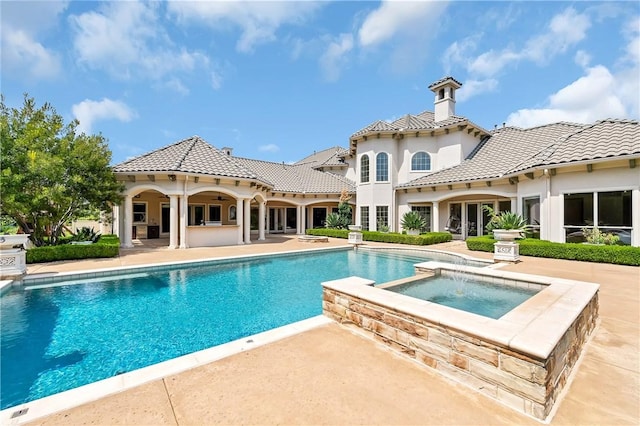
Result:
[{"x": 333, "y": 375}]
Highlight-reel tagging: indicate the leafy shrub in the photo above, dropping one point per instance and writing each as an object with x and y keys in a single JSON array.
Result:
[
  {"x": 387, "y": 237},
  {"x": 106, "y": 246},
  {"x": 596, "y": 236},
  {"x": 620, "y": 255}
]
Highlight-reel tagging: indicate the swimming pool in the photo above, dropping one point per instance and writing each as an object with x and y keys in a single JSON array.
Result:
[{"x": 61, "y": 335}]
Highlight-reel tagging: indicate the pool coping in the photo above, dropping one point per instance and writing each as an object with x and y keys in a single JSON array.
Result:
[{"x": 93, "y": 391}]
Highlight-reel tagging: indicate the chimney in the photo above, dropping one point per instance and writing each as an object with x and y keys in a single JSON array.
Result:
[
  {"x": 445, "y": 103},
  {"x": 227, "y": 150}
]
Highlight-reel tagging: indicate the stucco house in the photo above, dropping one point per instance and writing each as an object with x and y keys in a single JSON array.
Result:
[{"x": 561, "y": 177}]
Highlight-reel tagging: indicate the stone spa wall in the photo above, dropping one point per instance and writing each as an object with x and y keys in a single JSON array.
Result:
[{"x": 523, "y": 359}]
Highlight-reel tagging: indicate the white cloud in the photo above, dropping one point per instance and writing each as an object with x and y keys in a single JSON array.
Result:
[
  {"x": 398, "y": 17},
  {"x": 334, "y": 58},
  {"x": 564, "y": 30},
  {"x": 459, "y": 52},
  {"x": 258, "y": 20},
  {"x": 582, "y": 58},
  {"x": 269, "y": 148},
  {"x": 87, "y": 112},
  {"x": 127, "y": 40},
  {"x": 176, "y": 85},
  {"x": 21, "y": 51},
  {"x": 590, "y": 98},
  {"x": 472, "y": 88}
]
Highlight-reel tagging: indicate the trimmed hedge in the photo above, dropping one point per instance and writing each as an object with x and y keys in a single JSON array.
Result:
[
  {"x": 619, "y": 255},
  {"x": 387, "y": 237},
  {"x": 106, "y": 246}
]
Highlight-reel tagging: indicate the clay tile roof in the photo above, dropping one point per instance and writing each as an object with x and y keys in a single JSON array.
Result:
[
  {"x": 328, "y": 157},
  {"x": 499, "y": 153},
  {"x": 298, "y": 178},
  {"x": 603, "y": 139},
  {"x": 443, "y": 80},
  {"x": 191, "y": 155}
]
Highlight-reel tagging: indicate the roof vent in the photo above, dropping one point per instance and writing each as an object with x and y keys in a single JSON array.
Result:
[{"x": 227, "y": 150}]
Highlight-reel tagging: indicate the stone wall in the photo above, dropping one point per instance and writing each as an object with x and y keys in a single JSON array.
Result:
[{"x": 516, "y": 379}]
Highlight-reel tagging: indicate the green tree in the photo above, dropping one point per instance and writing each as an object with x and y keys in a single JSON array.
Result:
[{"x": 49, "y": 172}]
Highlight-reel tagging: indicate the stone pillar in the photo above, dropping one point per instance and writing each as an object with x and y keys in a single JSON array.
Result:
[
  {"x": 239, "y": 220},
  {"x": 435, "y": 217},
  {"x": 261, "y": 216},
  {"x": 128, "y": 222},
  {"x": 246, "y": 223},
  {"x": 173, "y": 221}
]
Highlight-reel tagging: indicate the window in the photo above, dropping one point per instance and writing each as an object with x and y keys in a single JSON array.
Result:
[
  {"x": 611, "y": 212},
  {"x": 425, "y": 212},
  {"x": 531, "y": 213},
  {"x": 196, "y": 214},
  {"x": 139, "y": 212},
  {"x": 382, "y": 167},
  {"x": 382, "y": 218},
  {"x": 614, "y": 209},
  {"x": 364, "y": 169},
  {"x": 364, "y": 217},
  {"x": 215, "y": 213},
  {"x": 504, "y": 206},
  {"x": 421, "y": 161},
  {"x": 232, "y": 213},
  {"x": 292, "y": 220}
]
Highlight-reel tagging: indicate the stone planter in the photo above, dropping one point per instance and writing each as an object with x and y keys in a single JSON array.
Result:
[
  {"x": 413, "y": 232},
  {"x": 507, "y": 234},
  {"x": 506, "y": 249},
  {"x": 13, "y": 259}
]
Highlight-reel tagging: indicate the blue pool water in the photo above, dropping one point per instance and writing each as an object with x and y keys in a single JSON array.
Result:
[
  {"x": 478, "y": 297},
  {"x": 59, "y": 337}
]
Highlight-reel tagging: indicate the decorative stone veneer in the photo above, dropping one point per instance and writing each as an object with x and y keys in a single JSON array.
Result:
[{"x": 523, "y": 359}]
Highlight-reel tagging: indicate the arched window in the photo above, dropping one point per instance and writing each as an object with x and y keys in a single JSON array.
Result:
[
  {"x": 420, "y": 161},
  {"x": 382, "y": 167},
  {"x": 364, "y": 169}
]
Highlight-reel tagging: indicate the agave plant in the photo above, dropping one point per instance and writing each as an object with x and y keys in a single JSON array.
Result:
[
  {"x": 413, "y": 221},
  {"x": 504, "y": 220}
]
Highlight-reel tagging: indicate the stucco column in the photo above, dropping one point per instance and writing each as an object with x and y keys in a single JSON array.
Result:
[
  {"x": 240, "y": 220},
  {"x": 275, "y": 219},
  {"x": 635, "y": 217},
  {"x": 435, "y": 217},
  {"x": 173, "y": 221},
  {"x": 128, "y": 222},
  {"x": 514, "y": 204},
  {"x": 246, "y": 223},
  {"x": 184, "y": 211},
  {"x": 298, "y": 220},
  {"x": 261, "y": 214},
  {"x": 303, "y": 220}
]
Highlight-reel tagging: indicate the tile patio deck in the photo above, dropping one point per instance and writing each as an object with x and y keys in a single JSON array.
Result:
[{"x": 332, "y": 375}]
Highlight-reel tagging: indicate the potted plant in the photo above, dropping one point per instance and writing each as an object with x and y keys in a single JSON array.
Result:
[
  {"x": 413, "y": 222},
  {"x": 506, "y": 226}
]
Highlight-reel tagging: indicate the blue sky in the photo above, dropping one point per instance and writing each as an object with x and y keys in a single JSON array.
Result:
[{"x": 278, "y": 80}]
